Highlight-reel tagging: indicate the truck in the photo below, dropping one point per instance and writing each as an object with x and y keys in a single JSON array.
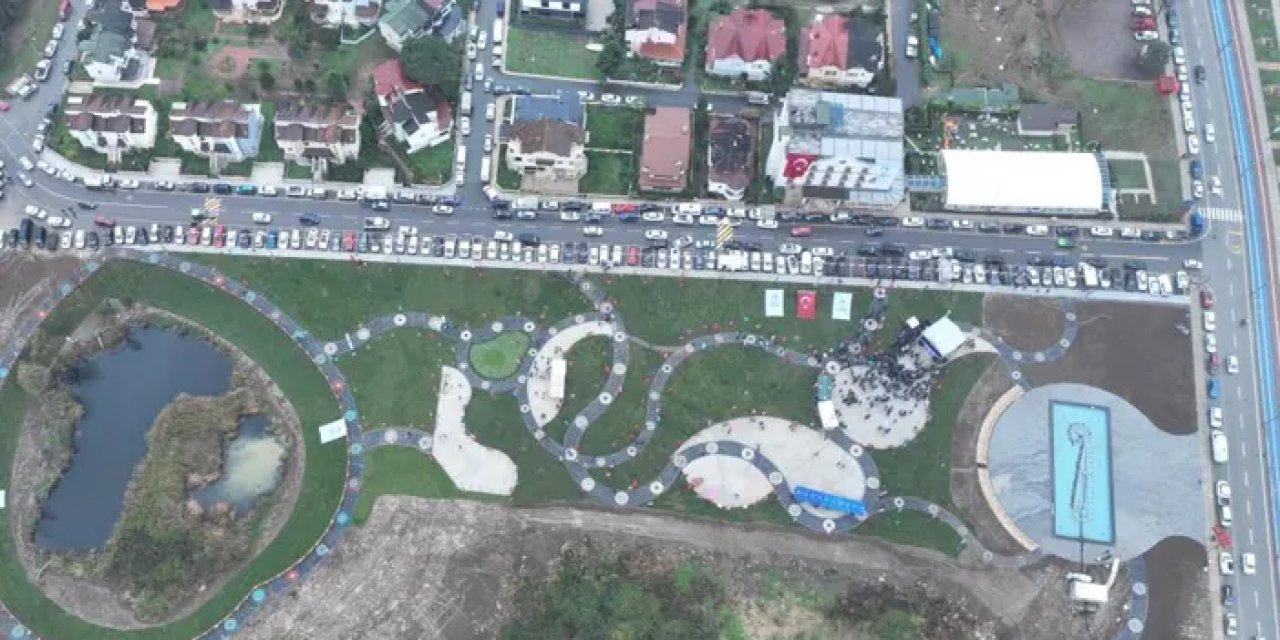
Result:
[
  {"x": 1196, "y": 223},
  {"x": 757, "y": 97},
  {"x": 461, "y": 162},
  {"x": 733, "y": 261},
  {"x": 466, "y": 103},
  {"x": 484, "y": 170},
  {"x": 525, "y": 204},
  {"x": 497, "y": 30},
  {"x": 96, "y": 183}
]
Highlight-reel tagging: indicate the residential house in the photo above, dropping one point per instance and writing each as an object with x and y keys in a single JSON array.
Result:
[
  {"x": 410, "y": 113},
  {"x": 345, "y": 13},
  {"x": 729, "y": 158},
  {"x": 838, "y": 51},
  {"x": 317, "y": 135},
  {"x": 656, "y": 30},
  {"x": 547, "y": 147},
  {"x": 567, "y": 9},
  {"x": 111, "y": 124},
  {"x": 404, "y": 20},
  {"x": 840, "y": 149},
  {"x": 224, "y": 131},
  {"x": 248, "y": 11},
  {"x": 111, "y": 54},
  {"x": 1046, "y": 120},
  {"x": 664, "y": 154},
  {"x": 745, "y": 43}
]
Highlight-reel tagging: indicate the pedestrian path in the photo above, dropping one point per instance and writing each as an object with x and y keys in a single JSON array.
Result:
[{"x": 1222, "y": 214}]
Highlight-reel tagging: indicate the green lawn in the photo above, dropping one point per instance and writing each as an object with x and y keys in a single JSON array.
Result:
[
  {"x": 500, "y": 356},
  {"x": 287, "y": 366},
  {"x": 914, "y": 528},
  {"x": 495, "y": 421},
  {"x": 24, "y": 41},
  {"x": 268, "y": 149},
  {"x": 1127, "y": 174},
  {"x": 395, "y": 378},
  {"x": 1262, "y": 27},
  {"x": 550, "y": 53},
  {"x": 608, "y": 173},
  {"x": 402, "y": 471},
  {"x": 433, "y": 165},
  {"x": 625, "y": 417},
  {"x": 295, "y": 171},
  {"x": 507, "y": 179},
  {"x": 614, "y": 127},
  {"x": 587, "y": 363}
]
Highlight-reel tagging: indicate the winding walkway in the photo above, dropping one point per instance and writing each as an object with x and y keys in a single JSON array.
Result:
[{"x": 323, "y": 353}]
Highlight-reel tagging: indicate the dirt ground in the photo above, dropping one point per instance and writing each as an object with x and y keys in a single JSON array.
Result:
[
  {"x": 1135, "y": 351},
  {"x": 29, "y": 277},
  {"x": 1096, "y": 37},
  {"x": 447, "y": 569},
  {"x": 1179, "y": 601},
  {"x": 1027, "y": 324}
]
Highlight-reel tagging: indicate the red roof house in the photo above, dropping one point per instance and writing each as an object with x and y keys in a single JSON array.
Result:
[{"x": 745, "y": 42}]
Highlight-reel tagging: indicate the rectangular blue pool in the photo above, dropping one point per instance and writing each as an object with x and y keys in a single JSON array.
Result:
[{"x": 1083, "y": 507}]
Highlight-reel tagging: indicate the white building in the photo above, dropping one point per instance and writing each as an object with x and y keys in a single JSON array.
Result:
[
  {"x": 943, "y": 338},
  {"x": 248, "y": 11},
  {"x": 345, "y": 13},
  {"x": 111, "y": 124},
  {"x": 317, "y": 135},
  {"x": 410, "y": 113},
  {"x": 222, "y": 130},
  {"x": 1024, "y": 181}
]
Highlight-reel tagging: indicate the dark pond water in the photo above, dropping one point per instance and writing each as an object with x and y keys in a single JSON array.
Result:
[
  {"x": 250, "y": 467},
  {"x": 122, "y": 391}
]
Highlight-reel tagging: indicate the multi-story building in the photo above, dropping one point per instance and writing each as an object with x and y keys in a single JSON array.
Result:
[
  {"x": 664, "y": 154},
  {"x": 223, "y": 131},
  {"x": 838, "y": 148},
  {"x": 345, "y": 13},
  {"x": 111, "y": 124},
  {"x": 547, "y": 147},
  {"x": 248, "y": 11},
  {"x": 745, "y": 43},
  {"x": 729, "y": 159},
  {"x": 116, "y": 50},
  {"x": 411, "y": 114},
  {"x": 836, "y": 51},
  {"x": 317, "y": 135},
  {"x": 656, "y": 30}
]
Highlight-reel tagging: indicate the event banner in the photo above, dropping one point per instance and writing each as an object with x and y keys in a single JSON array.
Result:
[
  {"x": 806, "y": 304},
  {"x": 773, "y": 304},
  {"x": 842, "y": 306}
]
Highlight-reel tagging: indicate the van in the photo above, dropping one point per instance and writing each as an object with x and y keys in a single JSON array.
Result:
[
  {"x": 602, "y": 208},
  {"x": 1218, "y": 445},
  {"x": 688, "y": 208}
]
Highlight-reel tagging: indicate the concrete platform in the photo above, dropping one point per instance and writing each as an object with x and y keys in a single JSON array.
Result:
[{"x": 471, "y": 465}]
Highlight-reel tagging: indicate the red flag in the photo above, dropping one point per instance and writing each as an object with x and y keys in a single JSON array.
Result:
[
  {"x": 806, "y": 304},
  {"x": 798, "y": 164}
]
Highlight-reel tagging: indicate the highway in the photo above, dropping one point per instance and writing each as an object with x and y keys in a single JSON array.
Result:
[{"x": 1237, "y": 252}]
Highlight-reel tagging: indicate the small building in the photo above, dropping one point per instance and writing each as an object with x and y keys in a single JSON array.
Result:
[
  {"x": 222, "y": 130},
  {"x": 248, "y": 11},
  {"x": 1047, "y": 120},
  {"x": 1027, "y": 182},
  {"x": 112, "y": 125},
  {"x": 664, "y": 154},
  {"x": 111, "y": 54},
  {"x": 564, "y": 9},
  {"x": 345, "y": 13},
  {"x": 839, "y": 51},
  {"x": 404, "y": 20},
  {"x": 730, "y": 160},
  {"x": 547, "y": 147},
  {"x": 317, "y": 135},
  {"x": 656, "y": 30},
  {"x": 943, "y": 338},
  {"x": 412, "y": 114},
  {"x": 745, "y": 44}
]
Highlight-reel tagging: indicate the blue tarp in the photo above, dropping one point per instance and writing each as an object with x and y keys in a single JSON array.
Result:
[{"x": 824, "y": 500}]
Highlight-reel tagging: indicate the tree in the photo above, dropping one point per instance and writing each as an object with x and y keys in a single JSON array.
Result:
[
  {"x": 1154, "y": 58},
  {"x": 433, "y": 62},
  {"x": 611, "y": 57}
]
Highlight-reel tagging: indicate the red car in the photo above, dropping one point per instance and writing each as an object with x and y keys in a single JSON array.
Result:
[
  {"x": 801, "y": 232},
  {"x": 1212, "y": 364},
  {"x": 103, "y": 221},
  {"x": 219, "y": 236},
  {"x": 623, "y": 207},
  {"x": 1143, "y": 23},
  {"x": 633, "y": 255},
  {"x": 1206, "y": 299},
  {"x": 4, "y": 105},
  {"x": 348, "y": 241},
  {"x": 193, "y": 235}
]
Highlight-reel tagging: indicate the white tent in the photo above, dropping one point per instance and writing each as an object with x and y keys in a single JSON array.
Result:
[
  {"x": 555, "y": 388},
  {"x": 987, "y": 180},
  {"x": 942, "y": 338}
]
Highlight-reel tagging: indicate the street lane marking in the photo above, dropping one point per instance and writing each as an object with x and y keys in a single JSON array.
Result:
[
  {"x": 1246, "y": 477},
  {"x": 1248, "y": 507}
]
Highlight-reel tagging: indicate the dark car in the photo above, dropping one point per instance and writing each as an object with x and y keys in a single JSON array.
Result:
[
  {"x": 222, "y": 188},
  {"x": 862, "y": 220},
  {"x": 595, "y": 218},
  {"x": 1199, "y": 74},
  {"x": 869, "y": 249},
  {"x": 994, "y": 259},
  {"x": 989, "y": 227},
  {"x": 583, "y": 252},
  {"x": 26, "y": 228},
  {"x": 51, "y": 242},
  {"x": 1228, "y": 596},
  {"x": 309, "y": 219},
  {"x": 717, "y": 211},
  {"x": 1066, "y": 231},
  {"x": 887, "y": 221},
  {"x": 1013, "y": 227},
  {"x": 965, "y": 255},
  {"x": 245, "y": 239},
  {"x": 873, "y": 232},
  {"x": 1152, "y": 236},
  {"x": 893, "y": 250},
  {"x": 573, "y": 205},
  {"x": 42, "y": 237},
  {"x": 1197, "y": 169},
  {"x": 11, "y": 238},
  {"x": 89, "y": 206},
  {"x": 92, "y": 240},
  {"x": 199, "y": 187},
  {"x": 168, "y": 234},
  {"x": 529, "y": 240},
  {"x": 466, "y": 81},
  {"x": 787, "y": 216},
  {"x": 502, "y": 214},
  {"x": 69, "y": 66},
  {"x": 938, "y": 224}
]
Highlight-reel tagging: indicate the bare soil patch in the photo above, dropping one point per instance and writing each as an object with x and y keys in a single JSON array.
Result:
[
  {"x": 232, "y": 62},
  {"x": 1135, "y": 351},
  {"x": 1180, "y": 601},
  {"x": 29, "y": 278},
  {"x": 1027, "y": 324},
  {"x": 449, "y": 569},
  {"x": 1095, "y": 35}
]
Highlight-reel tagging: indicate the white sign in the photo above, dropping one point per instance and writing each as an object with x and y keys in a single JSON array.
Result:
[
  {"x": 773, "y": 304},
  {"x": 335, "y": 430},
  {"x": 842, "y": 306},
  {"x": 1, "y": 498}
]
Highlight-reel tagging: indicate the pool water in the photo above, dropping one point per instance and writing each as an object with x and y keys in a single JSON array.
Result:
[{"x": 1083, "y": 505}]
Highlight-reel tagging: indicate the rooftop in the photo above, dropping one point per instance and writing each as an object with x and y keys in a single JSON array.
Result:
[
  {"x": 747, "y": 34},
  {"x": 565, "y": 107},
  {"x": 324, "y": 124},
  {"x": 729, "y": 142},
  {"x": 551, "y": 136},
  {"x": 664, "y": 155},
  {"x": 1022, "y": 180},
  {"x": 405, "y": 16},
  {"x": 209, "y": 119}
]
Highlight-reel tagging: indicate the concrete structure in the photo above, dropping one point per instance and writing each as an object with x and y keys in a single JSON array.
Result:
[
  {"x": 1023, "y": 181},
  {"x": 224, "y": 130},
  {"x": 842, "y": 148},
  {"x": 1046, "y": 120},
  {"x": 412, "y": 115},
  {"x": 567, "y": 9},
  {"x": 471, "y": 465},
  {"x": 404, "y": 20},
  {"x": 837, "y": 51},
  {"x": 547, "y": 147},
  {"x": 110, "y": 124},
  {"x": 345, "y": 13},
  {"x": 730, "y": 161},
  {"x": 317, "y": 135},
  {"x": 664, "y": 154},
  {"x": 656, "y": 30},
  {"x": 745, "y": 43},
  {"x": 112, "y": 53},
  {"x": 248, "y": 11}
]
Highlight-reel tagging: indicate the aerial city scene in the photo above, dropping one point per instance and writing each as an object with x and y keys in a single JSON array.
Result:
[{"x": 639, "y": 319}]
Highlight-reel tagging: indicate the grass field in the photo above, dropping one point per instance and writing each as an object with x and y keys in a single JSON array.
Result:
[
  {"x": 1262, "y": 27},
  {"x": 499, "y": 357},
  {"x": 24, "y": 41},
  {"x": 433, "y": 165},
  {"x": 584, "y": 376},
  {"x": 550, "y": 53},
  {"x": 1127, "y": 174},
  {"x": 608, "y": 173},
  {"x": 616, "y": 128},
  {"x": 288, "y": 367},
  {"x": 401, "y": 471}
]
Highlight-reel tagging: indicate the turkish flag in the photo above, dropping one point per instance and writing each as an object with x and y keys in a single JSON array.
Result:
[
  {"x": 806, "y": 304},
  {"x": 798, "y": 164}
]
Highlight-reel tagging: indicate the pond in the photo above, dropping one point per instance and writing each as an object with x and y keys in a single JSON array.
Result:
[
  {"x": 251, "y": 467},
  {"x": 123, "y": 391}
]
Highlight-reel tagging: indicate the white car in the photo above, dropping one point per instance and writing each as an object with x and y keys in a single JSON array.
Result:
[
  {"x": 1038, "y": 230},
  {"x": 962, "y": 225},
  {"x": 655, "y": 234},
  {"x": 823, "y": 252},
  {"x": 471, "y": 51},
  {"x": 78, "y": 241},
  {"x": 479, "y": 74},
  {"x": 1193, "y": 144},
  {"x": 1210, "y": 321},
  {"x": 1197, "y": 189},
  {"x": 684, "y": 219},
  {"x": 261, "y": 218},
  {"x": 1209, "y": 133},
  {"x": 129, "y": 184},
  {"x": 569, "y": 216},
  {"x": 489, "y": 112},
  {"x": 1191, "y": 264},
  {"x": 609, "y": 98},
  {"x": 1222, "y": 492},
  {"x": 26, "y": 163},
  {"x": 913, "y": 46},
  {"x": 653, "y": 216},
  {"x": 1215, "y": 185},
  {"x": 920, "y": 254},
  {"x": 1102, "y": 232},
  {"x": 488, "y": 143},
  {"x": 35, "y": 212},
  {"x": 1210, "y": 343},
  {"x": 789, "y": 249},
  {"x": 1233, "y": 365},
  {"x": 708, "y": 220},
  {"x": 37, "y": 145},
  {"x": 1226, "y": 564},
  {"x": 504, "y": 236},
  {"x": 465, "y": 126},
  {"x": 766, "y": 224},
  {"x": 592, "y": 231},
  {"x": 1249, "y": 563},
  {"x": 913, "y": 222},
  {"x": 59, "y": 222},
  {"x": 1215, "y": 417}
]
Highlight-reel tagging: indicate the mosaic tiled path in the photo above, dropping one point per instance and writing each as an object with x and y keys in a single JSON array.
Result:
[{"x": 324, "y": 352}]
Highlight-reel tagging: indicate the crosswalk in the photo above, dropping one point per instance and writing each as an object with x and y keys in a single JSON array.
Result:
[{"x": 1222, "y": 214}]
